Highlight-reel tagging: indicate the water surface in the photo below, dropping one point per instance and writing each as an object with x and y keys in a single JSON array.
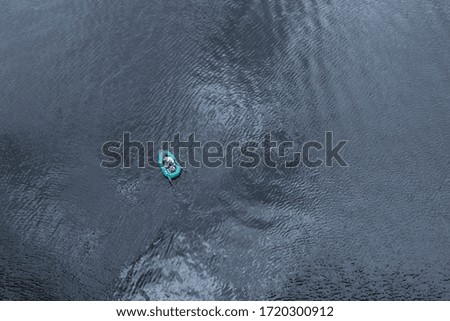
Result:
[{"x": 74, "y": 74}]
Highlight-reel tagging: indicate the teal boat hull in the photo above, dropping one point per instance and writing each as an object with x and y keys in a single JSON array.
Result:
[{"x": 166, "y": 173}]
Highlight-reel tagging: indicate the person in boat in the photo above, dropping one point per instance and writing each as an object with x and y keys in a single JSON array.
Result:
[{"x": 169, "y": 163}]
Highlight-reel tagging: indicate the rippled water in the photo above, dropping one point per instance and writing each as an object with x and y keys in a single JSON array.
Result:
[{"x": 74, "y": 74}]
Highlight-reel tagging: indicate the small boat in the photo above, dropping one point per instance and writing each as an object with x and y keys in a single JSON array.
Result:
[{"x": 170, "y": 175}]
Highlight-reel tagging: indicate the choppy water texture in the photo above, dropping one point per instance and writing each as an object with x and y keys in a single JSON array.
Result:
[{"x": 74, "y": 74}]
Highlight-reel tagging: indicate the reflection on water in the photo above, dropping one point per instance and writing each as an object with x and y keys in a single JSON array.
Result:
[{"x": 76, "y": 74}]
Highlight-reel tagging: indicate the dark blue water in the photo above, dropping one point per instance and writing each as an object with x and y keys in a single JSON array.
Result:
[{"x": 74, "y": 74}]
